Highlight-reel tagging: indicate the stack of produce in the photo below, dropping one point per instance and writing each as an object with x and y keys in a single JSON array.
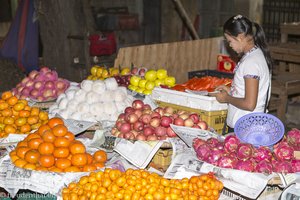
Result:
[
  {"x": 141, "y": 184},
  {"x": 140, "y": 122},
  {"x": 16, "y": 116},
  {"x": 207, "y": 83},
  {"x": 92, "y": 101},
  {"x": 53, "y": 148},
  {"x": 145, "y": 85},
  {"x": 243, "y": 156},
  {"x": 42, "y": 85}
]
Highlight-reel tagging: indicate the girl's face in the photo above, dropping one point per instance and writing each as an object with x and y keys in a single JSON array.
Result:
[{"x": 235, "y": 43}]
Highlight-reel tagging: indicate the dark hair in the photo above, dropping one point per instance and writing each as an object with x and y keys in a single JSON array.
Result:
[{"x": 240, "y": 24}]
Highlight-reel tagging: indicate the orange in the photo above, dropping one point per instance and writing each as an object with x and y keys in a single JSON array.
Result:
[
  {"x": 30, "y": 166},
  {"x": 89, "y": 168},
  {"x": 43, "y": 128},
  {"x": 3, "y": 105},
  {"x": 31, "y": 136},
  {"x": 77, "y": 147},
  {"x": 43, "y": 115},
  {"x": 35, "y": 126},
  {"x": 22, "y": 143},
  {"x": 48, "y": 136},
  {"x": 21, "y": 151},
  {"x": 61, "y": 142},
  {"x": 61, "y": 152},
  {"x": 100, "y": 156},
  {"x": 32, "y": 156},
  {"x": 13, "y": 158},
  {"x": 8, "y": 120},
  {"x": 90, "y": 158},
  {"x": 41, "y": 168},
  {"x": 20, "y": 121},
  {"x": 19, "y": 106},
  {"x": 63, "y": 163},
  {"x": 33, "y": 119},
  {"x": 24, "y": 101},
  {"x": 55, "y": 121},
  {"x": 7, "y": 112},
  {"x": 55, "y": 169},
  {"x": 46, "y": 148},
  {"x": 7, "y": 94},
  {"x": 34, "y": 143},
  {"x": 35, "y": 111},
  {"x": 59, "y": 130},
  {"x": 12, "y": 100},
  {"x": 47, "y": 160},
  {"x": 24, "y": 113},
  {"x": 70, "y": 136},
  {"x": 79, "y": 159},
  {"x": 26, "y": 128},
  {"x": 10, "y": 129},
  {"x": 99, "y": 165},
  {"x": 72, "y": 169},
  {"x": 20, "y": 163}
]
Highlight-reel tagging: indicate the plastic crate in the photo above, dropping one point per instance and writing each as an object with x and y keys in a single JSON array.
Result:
[
  {"x": 214, "y": 119},
  {"x": 208, "y": 72}
]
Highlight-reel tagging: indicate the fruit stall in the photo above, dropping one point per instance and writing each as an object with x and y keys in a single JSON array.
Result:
[{"x": 141, "y": 130}]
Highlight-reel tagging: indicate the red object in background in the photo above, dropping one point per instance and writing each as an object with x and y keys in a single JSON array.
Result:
[
  {"x": 102, "y": 44},
  {"x": 225, "y": 64}
]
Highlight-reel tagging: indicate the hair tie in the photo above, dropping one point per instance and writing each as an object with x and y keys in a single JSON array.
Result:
[{"x": 237, "y": 17}]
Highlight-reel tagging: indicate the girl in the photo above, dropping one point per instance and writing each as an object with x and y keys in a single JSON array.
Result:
[{"x": 250, "y": 88}]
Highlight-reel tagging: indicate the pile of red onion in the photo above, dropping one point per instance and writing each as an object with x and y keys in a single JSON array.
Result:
[
  {"x": 242, "y": 156},
  {"x": 42, "y": 85},
  {"x": 140, "y": 122}
]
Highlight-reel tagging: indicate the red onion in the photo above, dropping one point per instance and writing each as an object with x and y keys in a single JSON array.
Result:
[
  {"x": 51, "y": 76},
  {"x": 33, "y": 74},
  {"x": 38, "y": 85},
  {"x": 50, "y": 85},
  {"x": 25, "y": 80},
  {"x": 44, "y": 70}
]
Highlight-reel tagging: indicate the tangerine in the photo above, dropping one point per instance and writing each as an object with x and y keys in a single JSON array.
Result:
[
  {"x": 43, "y": 128},
  {"x": 26, "y": 128},
  {"x": 63, "y": 163},
  {"x": 77, "y": 147},
  {"x": 48, "y": 136},
  {"x": 9, "y": 120},
  {"x": 22, "y": 143},
  {"x": 21, "y": 151},
  {"x": 46, "y": 148},
  {"x": 19, "y": 106},
  {"x": 20, "y": 163},
  {"x": 70, "y": 136},
  {"x": 72, "y": 169},
  {"x": 12, "y": 100},
  {"x": 43, "y": 115},
  {"x": 99, "y": 165},
  {"x": 59, "y": 130},
  {"x": 55, "y": 121},
  {"x": 24, "y": 113},
  {"x": 32, "y": 136},
  {"x": 79, "y": 159},
  {"x": 89, "y": 168},
  {"x": 47, "y": 160},
  {"x": 90, "y": 158},
  {"x": 20, "y": 121},
  {"x": 10, "y": 129},
  {"x": 61, "y": 152},
  {"x": 33, "y": 119},
  {"x": 3, "y": 105},
  {"x": 32, "y": 156},
  {"x": 7, "y": 112},
  {"x": 61, "y": 142},
  {"x": 100, "y": 156},
  {"x": 34, "y": 111},
  {"x": 34, "y": 143},
  {"x": 6, "y": 95}
]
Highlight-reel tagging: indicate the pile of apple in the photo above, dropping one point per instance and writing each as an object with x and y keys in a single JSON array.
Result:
[
  {"x": 140, "y": 122},
  {"x": 145, "y": 85}
]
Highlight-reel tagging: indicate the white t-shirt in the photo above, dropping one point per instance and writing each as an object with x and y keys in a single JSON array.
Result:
[{"x": 252, "y": 65}]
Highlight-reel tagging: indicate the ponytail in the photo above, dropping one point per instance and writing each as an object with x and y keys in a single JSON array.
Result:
[{"x": 260, "y": 41}]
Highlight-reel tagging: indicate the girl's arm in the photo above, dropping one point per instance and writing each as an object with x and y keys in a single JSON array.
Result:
[{"x": 246, "y": 103}]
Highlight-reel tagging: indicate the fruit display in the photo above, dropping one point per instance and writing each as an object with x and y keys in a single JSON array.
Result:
[
  {"x": 243, "y": 156},
  {"x": 207, "y": 83},
  {"x": 153, "y": 78},
  {"x": 42, "y": 85},
  {"x": 140, "y": 122},
  {"x": 53, "y": 148},
  {"x": 92, "y": 101},
  {"x": 141, "y": 184},
  {"x": 16, "y": 116}
]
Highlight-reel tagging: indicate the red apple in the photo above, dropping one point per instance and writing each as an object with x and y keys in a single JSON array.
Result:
[
  {"x": 188, "y": 122},
  {"x": 170, "y": 132},
  {"x": 137, "y": 104},
  {"x": 203, "y": 125},
  {"x": 178, "y": 121},
  {"x": 194, "y": 117},
  {"x": 138, "y": 126},
  {"x": 155, "y": 122},
  {"x": 165, "y": 121}
]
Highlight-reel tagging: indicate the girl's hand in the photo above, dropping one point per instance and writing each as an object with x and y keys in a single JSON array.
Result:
[
  {"x": 223, "y": 94},
  {"x": 223, "y": 88}
]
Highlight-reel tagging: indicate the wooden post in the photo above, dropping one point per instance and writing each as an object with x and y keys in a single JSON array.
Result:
[{"x": 185, "y": 18}]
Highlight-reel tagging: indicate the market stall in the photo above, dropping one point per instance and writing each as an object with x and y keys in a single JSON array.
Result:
[{"x": 152, "y": 134}]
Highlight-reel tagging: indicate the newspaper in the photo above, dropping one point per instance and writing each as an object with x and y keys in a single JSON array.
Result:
[
  {"x": 188, "y": 134},
  {"x": 137, "y": 152},
  {"x": 187, "y": 164}
]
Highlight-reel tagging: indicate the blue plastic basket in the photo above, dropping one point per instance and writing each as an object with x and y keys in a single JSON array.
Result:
[{"x": 259, "y": 129}]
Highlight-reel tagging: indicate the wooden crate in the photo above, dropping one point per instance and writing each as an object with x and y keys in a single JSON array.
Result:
[
  {"x": 177, "y": 58},
  {"x": 287, "y": 29}
]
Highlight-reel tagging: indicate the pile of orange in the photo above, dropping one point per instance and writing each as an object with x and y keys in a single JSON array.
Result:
[
  {"x": 53, "y": 148},
  {"x": 140, "y": 184},
  {"x": 16, "y": 116}
]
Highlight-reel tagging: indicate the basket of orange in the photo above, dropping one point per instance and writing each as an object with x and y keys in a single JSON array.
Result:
[
  {"x": 53, "y": 148},
  {"x": 16, "y": 116}
]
